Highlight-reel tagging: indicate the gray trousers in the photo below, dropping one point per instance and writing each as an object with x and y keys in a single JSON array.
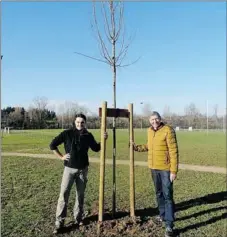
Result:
[{"x": 70, "y": 176}]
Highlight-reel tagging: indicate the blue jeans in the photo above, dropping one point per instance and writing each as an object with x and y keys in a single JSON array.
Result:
[{"x": 164, "y": 195}]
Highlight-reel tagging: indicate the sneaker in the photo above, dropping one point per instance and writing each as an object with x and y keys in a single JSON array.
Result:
[
  {"x": 58, "y": 227},
  {"x": 78, "y": 223},
  {"x": 158, "y": 220},
  {"x": 169, "y": 232}
]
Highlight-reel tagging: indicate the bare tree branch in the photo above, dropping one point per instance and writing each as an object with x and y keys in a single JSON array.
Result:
[
  {"x": 104, "y": 50},
  {"x": 112, "y": 21},
  {"x": 111, "y": 5},
  {"x": 121, "y": 20},
  {"x": 116, "y": 11},
  {"x": 100, "y": 45},
  {"x": 122, "y": 45},
  {"x": 122, "y": 55},
  {"x": 117, "y": 3},
  {"x": 97, "y": 59},
  {"x": 124, "y": 49},
  {"x": 126, "y": 65},
  {"x": 106, "y": 25},
  {"x": 40, "y": 102}
]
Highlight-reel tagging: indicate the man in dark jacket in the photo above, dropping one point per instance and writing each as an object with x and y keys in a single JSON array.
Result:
[{"x": 76, "y": 142}]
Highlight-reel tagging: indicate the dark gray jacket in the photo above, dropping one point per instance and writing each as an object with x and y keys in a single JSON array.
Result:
[{"x": 76, "y": 143}]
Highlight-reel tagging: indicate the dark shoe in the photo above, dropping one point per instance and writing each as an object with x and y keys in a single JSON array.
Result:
[
  {"x": 169, "y": 232},
  {"x": 158, "y": 220},
  {"x": 58, "y": 227},
  {"x": 78, "y": 223},
  {"x": 57, "y": 230}
]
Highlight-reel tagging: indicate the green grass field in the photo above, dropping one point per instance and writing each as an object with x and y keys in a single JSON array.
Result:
[
  {"x": 30, "y": 188},
  {"x": 194, "y": 147}
]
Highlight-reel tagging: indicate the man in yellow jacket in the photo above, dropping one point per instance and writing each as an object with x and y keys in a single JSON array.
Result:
[{"x": 163, "y": 161}]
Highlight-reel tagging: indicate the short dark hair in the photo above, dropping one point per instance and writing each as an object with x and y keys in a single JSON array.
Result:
[
  {"x": 80, "y": 115},
  {"x": 155, "y": 113}
]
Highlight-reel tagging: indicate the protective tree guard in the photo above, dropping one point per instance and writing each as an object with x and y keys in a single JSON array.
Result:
[
  {"x": 123, "y": 113},
  {"x": 102, "y": 162},
  {"x": 131, "y": 152}
]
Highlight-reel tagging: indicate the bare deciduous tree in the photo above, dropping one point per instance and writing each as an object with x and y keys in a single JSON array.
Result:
[
  {"x": 113, "y": 50},
  {"x": 66, "y": 112},
  {"x": 40, "y": 104},
  {"x": 147, "y": 109},
  {"x": 167, "y": 113},
  {"x": 216, "y": 114},
  {"x": 192, "y": 114}
]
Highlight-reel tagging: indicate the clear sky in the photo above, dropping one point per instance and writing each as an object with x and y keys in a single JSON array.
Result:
[{"x": 182, "y": 47}]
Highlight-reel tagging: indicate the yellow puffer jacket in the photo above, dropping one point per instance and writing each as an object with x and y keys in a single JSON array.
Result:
[{"x": 162, "y": 149}]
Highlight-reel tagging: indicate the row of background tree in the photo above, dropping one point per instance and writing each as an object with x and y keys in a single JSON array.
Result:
[{"x": 38, "y": 116}]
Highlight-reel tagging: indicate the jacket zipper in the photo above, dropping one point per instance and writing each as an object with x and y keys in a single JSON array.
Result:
[{"x": 152, "y": 150}]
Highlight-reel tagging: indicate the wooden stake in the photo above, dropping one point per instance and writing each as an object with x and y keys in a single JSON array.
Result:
[
  {"x": 132, "y": 178},
  {"x": 102, "y": 162}
]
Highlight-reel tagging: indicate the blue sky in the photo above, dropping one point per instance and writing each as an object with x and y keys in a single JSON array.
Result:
[{"x": 182, "y": 47}]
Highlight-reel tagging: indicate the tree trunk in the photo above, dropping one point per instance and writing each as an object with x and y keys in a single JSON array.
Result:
[
  {"x": 114, "y": 104},
  {"x": 114, "y": 140}
]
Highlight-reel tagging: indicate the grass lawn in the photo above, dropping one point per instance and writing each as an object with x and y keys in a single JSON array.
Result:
[
  {"x": 194, "y": 147},
  {"x": 30, "y": 188}
]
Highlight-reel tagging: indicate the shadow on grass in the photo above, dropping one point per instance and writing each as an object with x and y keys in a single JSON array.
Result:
[
  {"x": 207, "y": 199},
  {"x": 200, "y": 224},
  {"x": 151, "y": 212},
  {"x": 195, "y": 215}
]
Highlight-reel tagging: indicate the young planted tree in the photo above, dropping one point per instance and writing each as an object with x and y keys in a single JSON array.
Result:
[{"x": 109, "y": 29}]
